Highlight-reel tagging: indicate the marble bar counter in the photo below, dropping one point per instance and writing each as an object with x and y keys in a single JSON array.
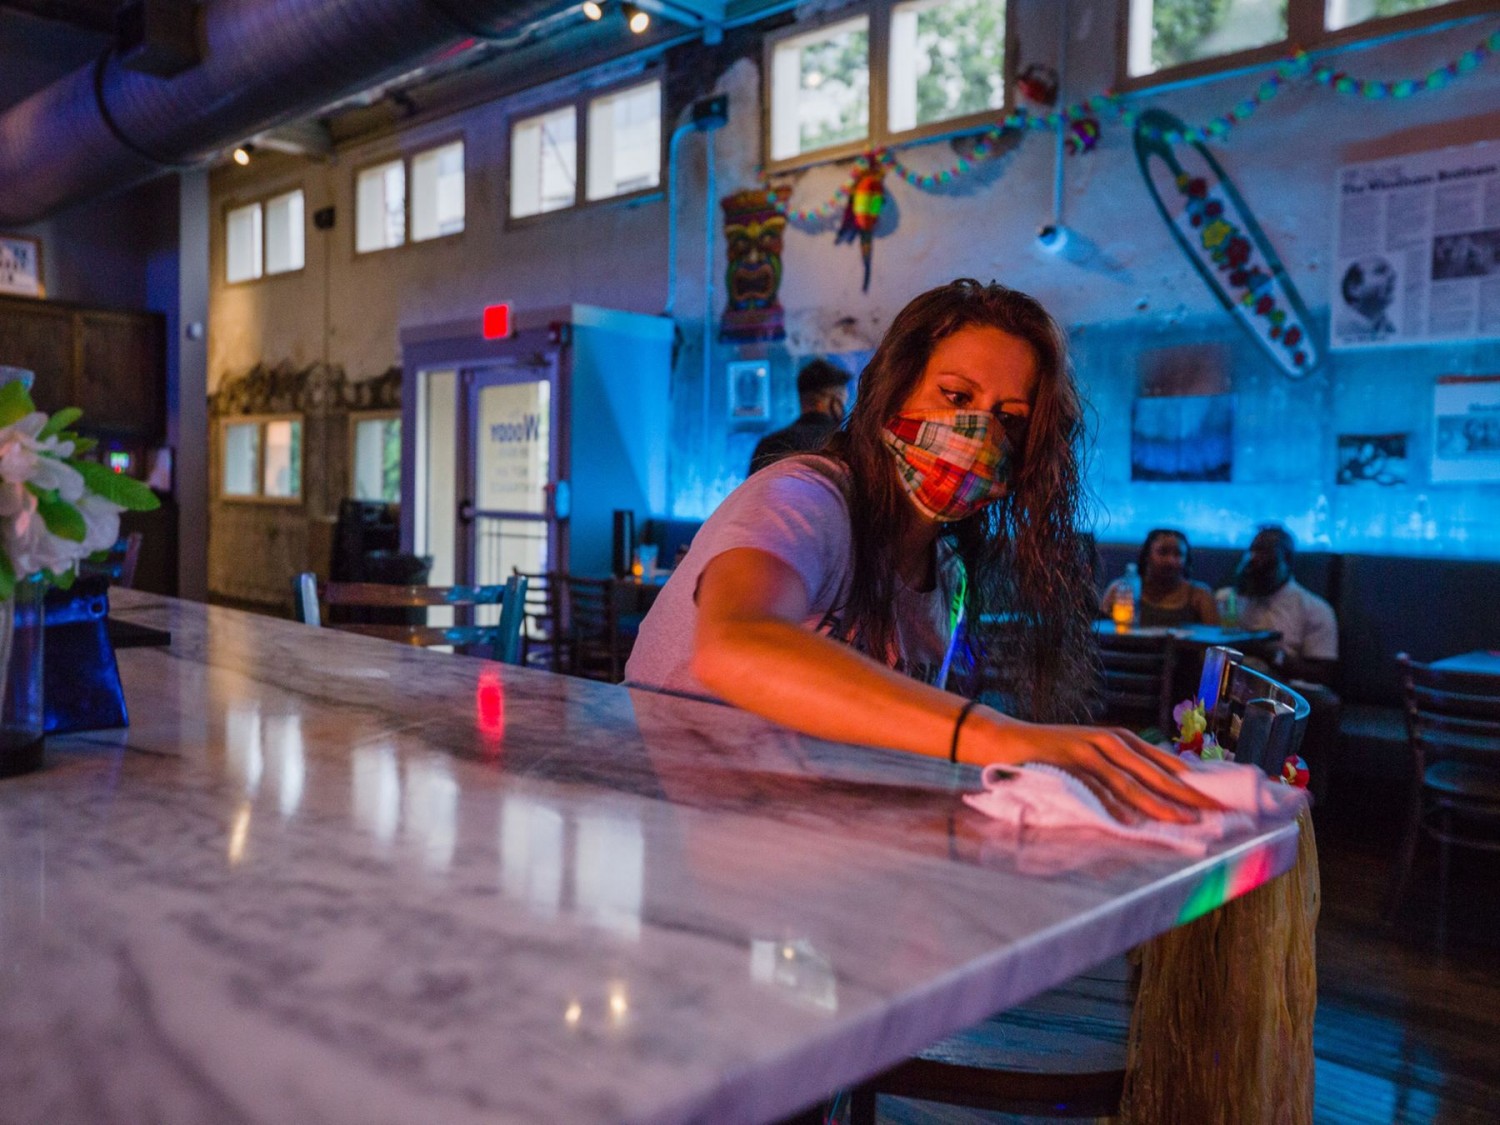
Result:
[{"x": 325, "y": 878}]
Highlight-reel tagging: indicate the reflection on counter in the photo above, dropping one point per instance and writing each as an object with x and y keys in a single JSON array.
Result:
[
  {"x": 612, "y": 1011},
  {"x": 254, "y": 743},
  {"x": 489, "y": 709},
  {"x": 590, "y": 863},
  {"x": 531, "y": 854},
  {"x": 610, "y": 872},
  {"x": 423, "y": 805},
  {"x": 430, "y": 810},
  {"x": 242, "y": 747},
  {"x": 619, "y": 1005},
  {"x": 377, "y": 791},
  {"x": 797, "y": 968},
  {"x": 604, "y": 851},
  {"x": 239, "y": 834}
]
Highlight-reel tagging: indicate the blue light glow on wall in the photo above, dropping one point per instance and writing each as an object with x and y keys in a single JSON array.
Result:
[
  {"x": 1286, "y": 443},
  {"x": 1285, "y": 436}
]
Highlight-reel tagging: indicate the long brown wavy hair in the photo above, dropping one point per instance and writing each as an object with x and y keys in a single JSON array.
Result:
[{"x": 1030, "y": 581}]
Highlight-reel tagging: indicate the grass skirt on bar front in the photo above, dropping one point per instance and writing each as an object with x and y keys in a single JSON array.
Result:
[{"x": 1223, "y": 1023}]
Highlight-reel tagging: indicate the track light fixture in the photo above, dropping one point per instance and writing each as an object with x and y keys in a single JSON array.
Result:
[
  {"x": 594, "y": 10},
  {"x": 635, "y": 19},
  {"x": 242, "y": 154}
]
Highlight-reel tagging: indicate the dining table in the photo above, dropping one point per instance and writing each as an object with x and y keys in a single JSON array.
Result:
[
  {"x": 1483, "y": 661},
  {"x": 327, "y": 878},
  {"x": 1194, "y": 634},
  {"x": 636, "y": 593}
]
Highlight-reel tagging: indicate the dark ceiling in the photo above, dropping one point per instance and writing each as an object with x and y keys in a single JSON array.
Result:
[
  {"x": 87, "y": 15},
  {"x": 42, "y": 40}
]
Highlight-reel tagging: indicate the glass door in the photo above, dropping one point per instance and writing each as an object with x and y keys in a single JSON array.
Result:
[{"x": 510, "y": 516}]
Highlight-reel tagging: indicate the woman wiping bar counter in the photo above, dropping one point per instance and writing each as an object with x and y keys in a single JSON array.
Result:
[{"x": 836, "y": 592}]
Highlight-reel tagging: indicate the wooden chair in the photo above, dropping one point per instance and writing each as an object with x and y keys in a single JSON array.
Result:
[
  {"x": 1138, "y": 672},
  {"x": 1453, "y": 729},
  {"x": 593, "y": 645},
  {"x": 501, "y": 641},
  {"x": 1063, "y": 1053},
  {"x": 541, "y": 635}
]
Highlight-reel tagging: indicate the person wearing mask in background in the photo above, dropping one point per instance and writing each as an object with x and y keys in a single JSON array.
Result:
[
  {"x": 1168, "y": 596},
  {"x": 823, "y": 389},
  {"x": 1270, "y": 598},
  {"x": 1306, "y": 656}
]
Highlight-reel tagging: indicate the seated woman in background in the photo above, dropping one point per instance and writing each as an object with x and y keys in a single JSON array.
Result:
[
  {"x": 830, "y": 591},
  {"x": 1168, "y": 596}
]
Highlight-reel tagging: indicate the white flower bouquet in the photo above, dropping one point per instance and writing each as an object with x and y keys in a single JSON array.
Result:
[{"x": 56, "y": 508}]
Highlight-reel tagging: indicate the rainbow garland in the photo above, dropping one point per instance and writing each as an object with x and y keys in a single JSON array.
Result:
[{"x": 1299, "y": 65}]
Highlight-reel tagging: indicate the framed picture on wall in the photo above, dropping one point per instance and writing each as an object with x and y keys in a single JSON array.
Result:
[
  {"x": 1466, "y": 428},
  {"x": 750, "y": 391},
  {"x": 1372, "y": 459},
  {"x": 1182, "y": 438},
  {"x": 20, "y": 265}
]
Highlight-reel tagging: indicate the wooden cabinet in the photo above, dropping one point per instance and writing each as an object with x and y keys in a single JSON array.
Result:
[
  {"x": 110, "y": 364},
  {"x": 39, "y": 337}
]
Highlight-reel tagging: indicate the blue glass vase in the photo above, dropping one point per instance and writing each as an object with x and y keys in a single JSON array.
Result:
[{"x": 21, "y": 710}]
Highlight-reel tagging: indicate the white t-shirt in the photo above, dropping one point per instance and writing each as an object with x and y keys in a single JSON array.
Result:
[
  {"x": 1308, "y": 628},
  {"x": 796, "y": 513}
]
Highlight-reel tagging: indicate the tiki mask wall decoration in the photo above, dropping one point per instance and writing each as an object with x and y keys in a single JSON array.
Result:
[{"x": 753, "y": 229}]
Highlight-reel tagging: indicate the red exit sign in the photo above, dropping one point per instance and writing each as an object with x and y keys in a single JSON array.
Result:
[{"x": 497, "y": 321}]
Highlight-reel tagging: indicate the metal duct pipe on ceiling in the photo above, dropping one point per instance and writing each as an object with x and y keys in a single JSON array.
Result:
[{"x": 266, "y": 62}]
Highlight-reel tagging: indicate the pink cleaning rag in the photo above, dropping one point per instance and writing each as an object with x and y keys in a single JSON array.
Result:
[{"x": 1039, "y": 797}]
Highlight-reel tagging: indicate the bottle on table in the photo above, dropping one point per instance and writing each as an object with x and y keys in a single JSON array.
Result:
[
  {"x": 1229, "y": 607},
  {"x": 1125, "y": 608}
]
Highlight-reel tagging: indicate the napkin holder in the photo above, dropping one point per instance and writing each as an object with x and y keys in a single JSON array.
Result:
[{"x": 80, "y": 679}]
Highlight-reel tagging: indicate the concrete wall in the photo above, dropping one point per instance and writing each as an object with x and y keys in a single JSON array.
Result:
[
  {"x": 118, "y": 252},
  {"x": 347, "y": 309},
  {"x": 1142, "y": 294}
]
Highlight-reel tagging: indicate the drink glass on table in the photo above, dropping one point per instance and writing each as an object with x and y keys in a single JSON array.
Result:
[
  {"x": 1123, "y": 610},
  {"x": 1229, "y": 607},
  {"x": 645, "y": 561}
]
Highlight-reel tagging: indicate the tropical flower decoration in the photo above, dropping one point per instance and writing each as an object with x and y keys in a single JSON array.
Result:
[
  {"x": 1194, "y": 740},
  {"x": 56, "y": 508}
]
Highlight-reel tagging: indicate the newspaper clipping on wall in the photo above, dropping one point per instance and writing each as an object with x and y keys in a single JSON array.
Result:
[
  {"x": 1417, "y": 249},
  {"x": 1466, "y": 428}
]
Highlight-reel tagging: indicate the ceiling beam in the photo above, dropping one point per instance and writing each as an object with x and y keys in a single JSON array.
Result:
[{"x": 300, "y": 138}]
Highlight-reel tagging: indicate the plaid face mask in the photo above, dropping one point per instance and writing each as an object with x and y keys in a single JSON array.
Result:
[{"x": 954, "y": 462}]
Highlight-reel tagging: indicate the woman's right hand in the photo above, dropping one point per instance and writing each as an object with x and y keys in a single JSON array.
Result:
[{"x": 1132, "y": 779}]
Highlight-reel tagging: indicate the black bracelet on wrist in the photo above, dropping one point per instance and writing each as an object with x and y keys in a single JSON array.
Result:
[{"x": 958, "y": 723}]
